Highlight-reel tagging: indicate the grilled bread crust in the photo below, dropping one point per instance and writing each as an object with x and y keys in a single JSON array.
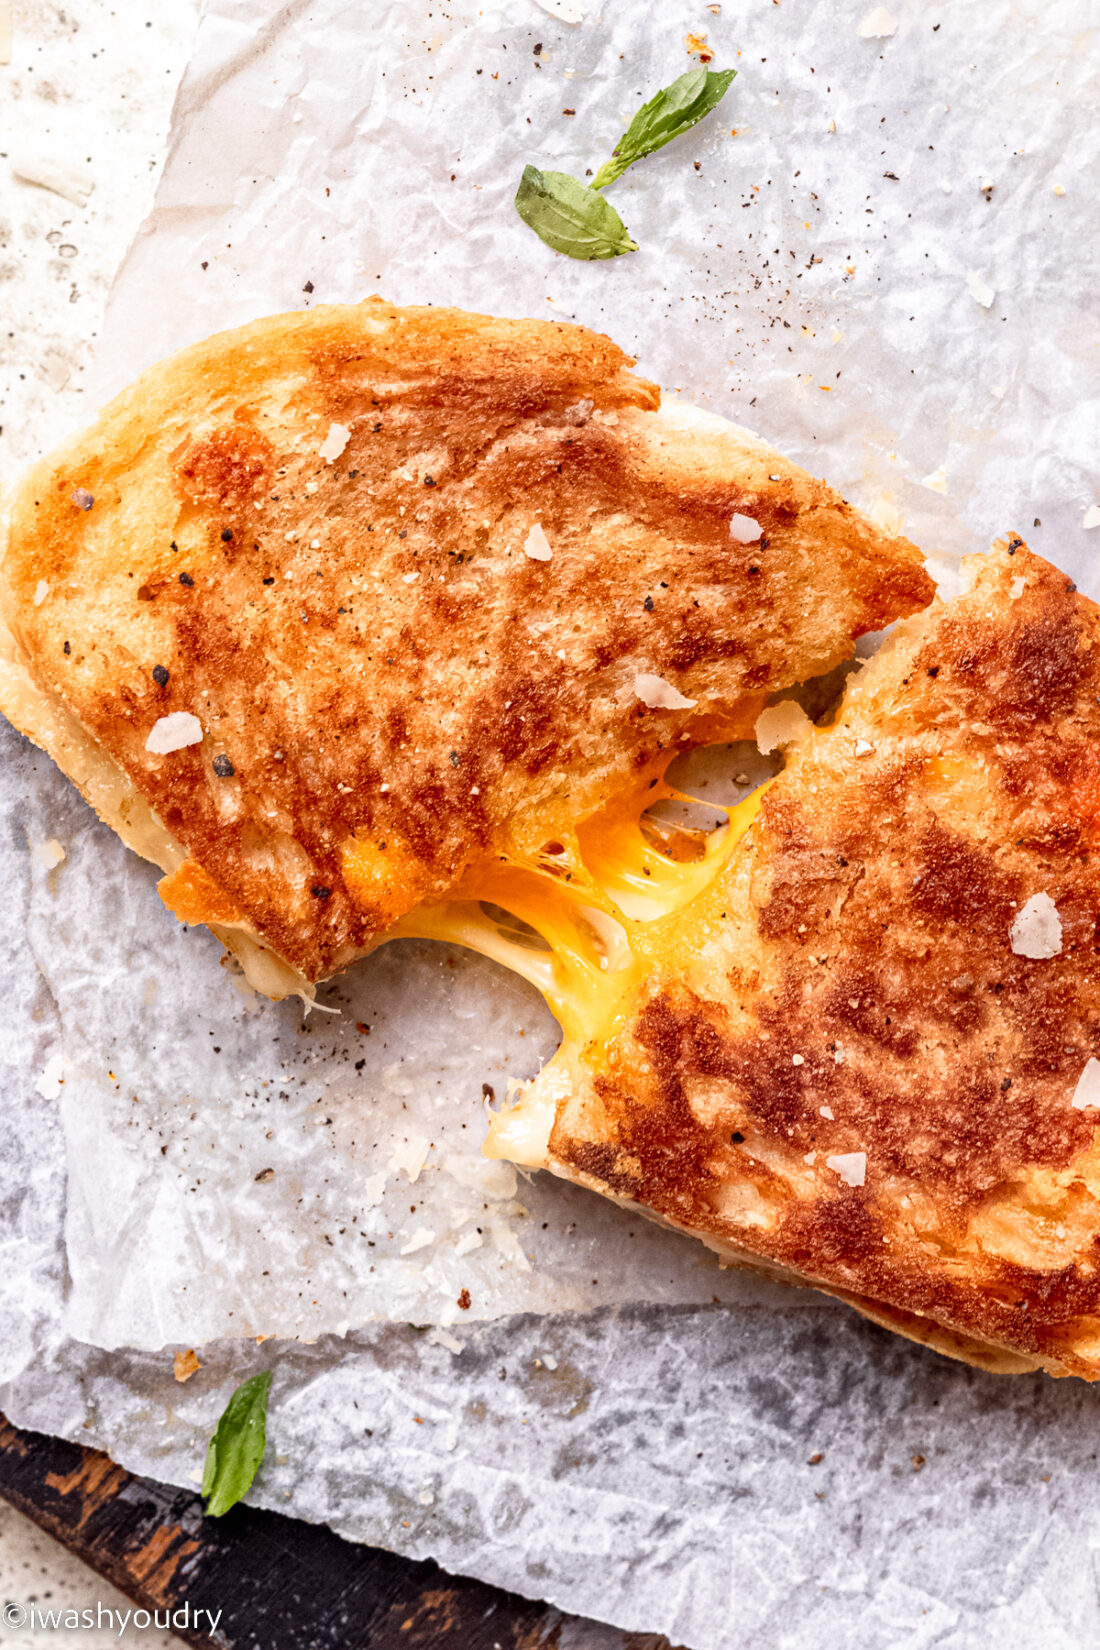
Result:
[
  {"x": 858, "y": 1061},
  {"x": 390, "y": 683}
]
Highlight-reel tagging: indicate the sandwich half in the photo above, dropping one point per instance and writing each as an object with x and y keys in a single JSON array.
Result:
[
  {"x": 331, "y": 613},
  {"x": 866, "y": 1055}
]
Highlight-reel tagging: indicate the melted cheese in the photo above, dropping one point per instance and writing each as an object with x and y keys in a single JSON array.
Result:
[{"x": 586, "y": 926}]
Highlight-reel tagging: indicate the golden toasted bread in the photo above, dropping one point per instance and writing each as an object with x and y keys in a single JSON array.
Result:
[
  {"x": 326, "y": 611},
  {"x": 867, "y": 1056}
]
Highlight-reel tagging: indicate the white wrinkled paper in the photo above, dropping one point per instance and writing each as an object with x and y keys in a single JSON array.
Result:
[{"x": 180, "y": 1164}]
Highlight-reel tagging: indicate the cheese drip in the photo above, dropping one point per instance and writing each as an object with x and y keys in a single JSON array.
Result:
[{"x": 585, "y": 924}]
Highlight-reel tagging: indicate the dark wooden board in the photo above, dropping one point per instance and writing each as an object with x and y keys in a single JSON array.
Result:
[{"x": 280, "y": 1584}]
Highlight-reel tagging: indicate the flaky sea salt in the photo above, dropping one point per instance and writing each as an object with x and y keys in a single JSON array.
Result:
[
  {"x": 850, "y": 1166},
  {"x": 1087, "y": 1092},
  {"x": 1036, "y": 931},
  {"x": 334, "y": 443},
  {"x": 174, "y": 732},
  {"x": 537, "y": 545},
  {"x": 744, "y": 529}
]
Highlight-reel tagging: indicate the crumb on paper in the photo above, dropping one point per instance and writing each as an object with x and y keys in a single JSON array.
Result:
[
  {"x": 374, "y": 1189},
  {"x": 566, "y": 11},
  {"x": 1091, "y": 517},
  {"x": 879, "y": 24},
  {"x": 46, "y": 855},
  {"x": 41, "y": 591},
  {"x": 57, "y": 173},
  {"x": 51, "y": 1082},
  {"x": 1058, "y": 190},
  {"x": 537, "y": 545},
  {"x": 451, "y": 1343},
  {"x": 493, "y": 1179},
  {"x": 659, "y": 694},
  {"x": 174, "y": 732},
  {"x": 334, "y": 443},
  {"x": 1087, "y": 1092},
  {"x": 935, "y": 480},
  {"x": 744, "y": 529},
  {"x": 886, "y": 513},
  {"x": 783, "y": 724},
  {"x": 697, "y": 47},
  {"x": 410, "y": 1154},
  {"x": 185, "y": 1364},
  {"x": 850, "y": 1166},
  {"x": 980, "y": 289},
  {"x": 1036, "y": 931},
  {"x": 506, "y": 1243}
]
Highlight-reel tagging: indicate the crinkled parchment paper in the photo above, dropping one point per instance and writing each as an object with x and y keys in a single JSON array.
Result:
[{"x": 880, "y": 253}]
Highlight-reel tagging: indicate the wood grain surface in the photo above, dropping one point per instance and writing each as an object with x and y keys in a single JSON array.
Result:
[{"x": 280, "y": 1584}]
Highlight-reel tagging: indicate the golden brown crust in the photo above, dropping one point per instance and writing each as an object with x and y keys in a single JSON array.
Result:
[
  {"x": 851, "y": 989},
  {"x": 388, "y": 686}
]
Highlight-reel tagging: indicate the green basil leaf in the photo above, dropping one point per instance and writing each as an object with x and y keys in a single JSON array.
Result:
[
  {"x": 675, "y": 109},
  {"x": 571, "y": 217},
  {"x": 235, "y": 1451}
]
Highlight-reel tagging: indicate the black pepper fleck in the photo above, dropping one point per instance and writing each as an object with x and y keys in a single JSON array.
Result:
[
  {"x": 319, "y": 891},
  {"x": 648, "y": 604},
  {"x": 308, "y": 287},
  {"x": 160, "y": 674},
  {"x": 227, "y": 535},
  {"x": 223, "y": 767},
  {"x": 456, "y": 760},
  {"x": 185, "y": 578},
  {"x": 270, "y": 579},
  {"x": 429, "y": 481}
]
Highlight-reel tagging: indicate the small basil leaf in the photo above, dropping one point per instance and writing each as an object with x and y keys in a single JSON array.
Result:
[
  {"x": 673, "y": 110},
  {"x": 235, "y": 1451},
  {"x": 571, "y": 217}
]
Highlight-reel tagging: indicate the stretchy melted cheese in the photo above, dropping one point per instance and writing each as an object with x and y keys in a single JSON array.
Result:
[
  {"x": 344, "y": 606},
  {"x": 867, "y": 1054}
]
